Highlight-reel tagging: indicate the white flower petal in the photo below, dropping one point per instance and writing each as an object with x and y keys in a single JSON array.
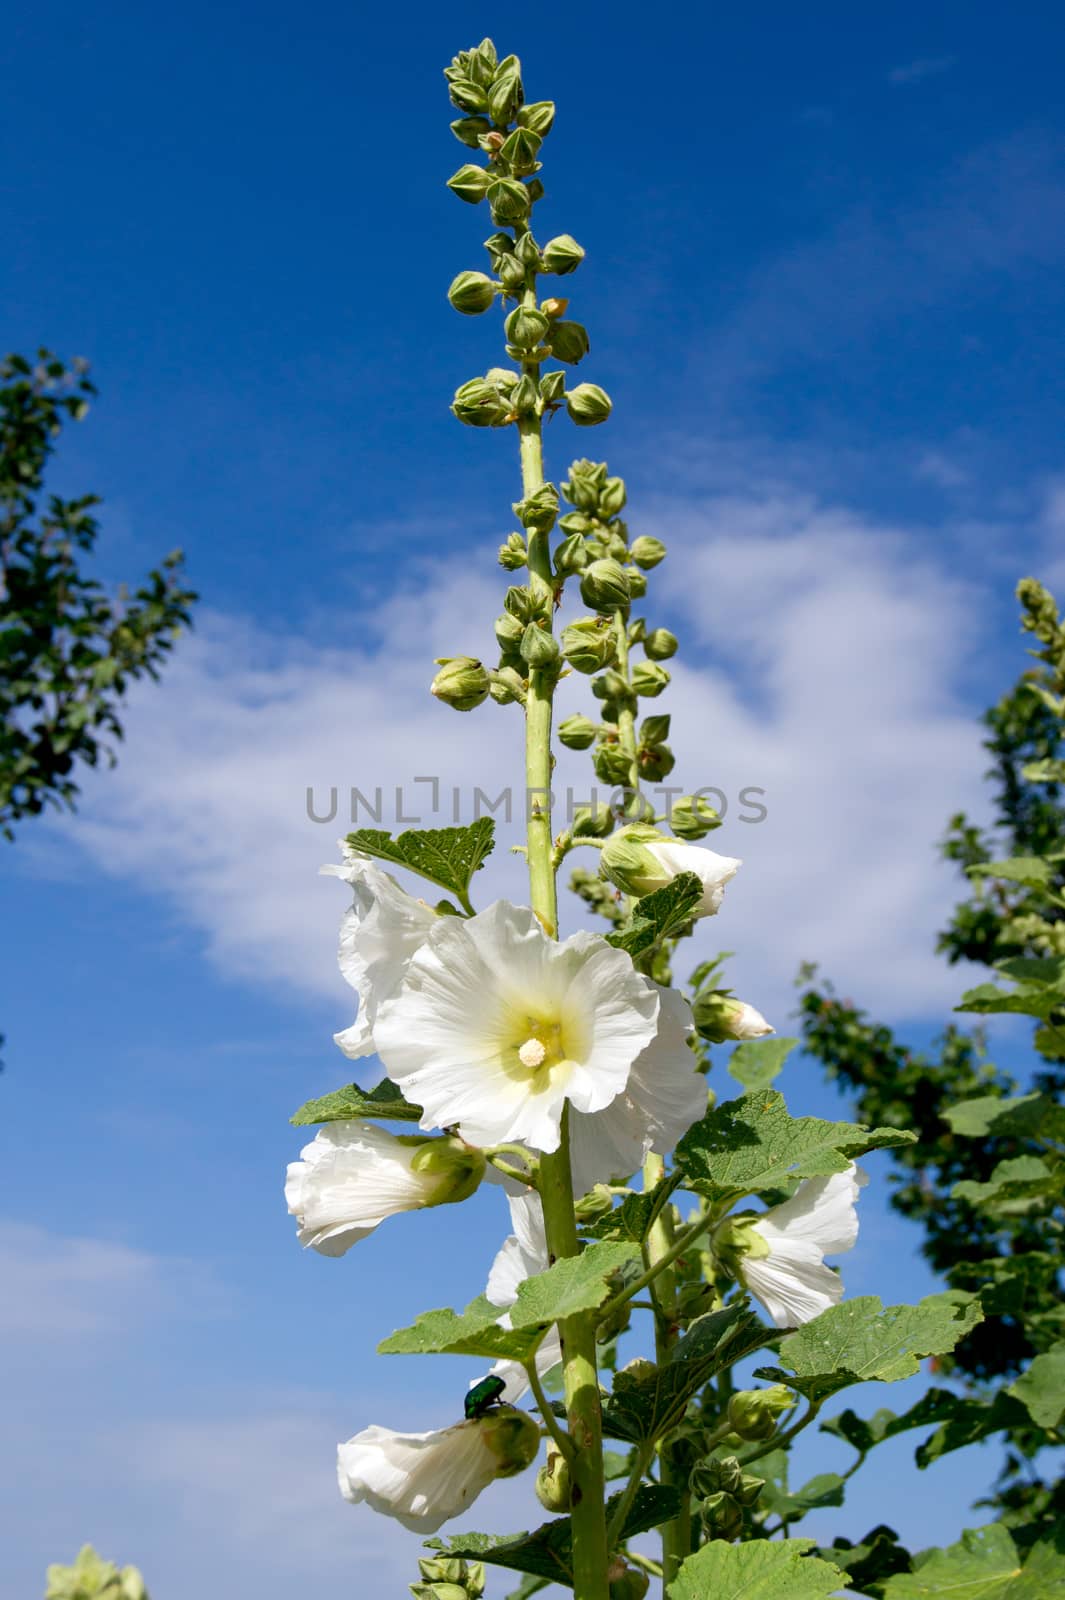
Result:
[
  {"x": 714, "y": 871},
  {"x": 421, "y": 1479},
  {"x": 792, "y": 1282},
  {"x": 516, "y": 1379},
  {"x": 349, "y": 1178},
  {"x": 378, "y": 936},
  {"x": 523, "y": 1255},
  {"x": 483, "y": 998},
  {"x": 821, "y": 1210}
]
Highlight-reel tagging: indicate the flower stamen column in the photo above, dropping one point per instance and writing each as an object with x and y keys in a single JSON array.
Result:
[{"x": 556, "y": 1184}]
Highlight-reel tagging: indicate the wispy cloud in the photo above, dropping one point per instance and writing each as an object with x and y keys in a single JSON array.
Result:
[{"x": 923, "y": 67}]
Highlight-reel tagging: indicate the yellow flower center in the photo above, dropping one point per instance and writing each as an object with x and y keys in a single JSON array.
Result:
[{"x": 539, "y": 1050}]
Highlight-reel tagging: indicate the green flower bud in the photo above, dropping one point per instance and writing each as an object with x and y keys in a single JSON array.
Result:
[
  {"x": 524, "y": 397},
  {"x": 753, "y": 1413},
  {"x": 514, "y": 553},
  {"x": 552, "y": 388},
  {"x": 604, "y": 586},
  {"x": 539, "y": 648},
  {"x": 588, "y": 645},
  {"x": 468, "y": 130},
  {"x": 539, "y": 510},
  {"x": 499, "y": 245},
  {"x": 471, "y": 293},
  {"x": 569, "y": 342},
  {"x": 611, "y": 686},
  {"x": 632, "y": 1584},
  {"x": 562, "y": 254},
  {"x": 482, "y": 62},
  {"x": 588, "y": 405},
  {"x": 442, "y": 1569},
  {"x": 527, "y": 250},
  {"x": 648, "y": 552},
  {"x": 721, "y": 1516},
  {"x": 637, "y": 581},
  {"x": 519, "y": 150},
  {"x": 656, "y": 762},
  {"x": 595, "y": 1204},
  {"x": 577, "y": 732},
  {"x": 506, "y": 93},
  {"x": 570, "y": 556},
  {"x": 585, "y": 484},
  {"x": 513, "y": 1437},
  {"x": 509, "y": 632},
  {"x": 520, "y": 603},
  {"x": 526, "y": 327},
  {"x": 629, "y": 865},
  {"x": 612, "y": 765},
  {"x": 511, "y": 274},
  {"x": 536, "y": 190},
  {"x": 649, "y": 679},
  {"x": 660, "y": 644},
  {"x": 693, "y": 817},
  {"x": 91, "y": 1578},
  {"x": 508, "y": 199},
  {"x": 719, "y": 1016},
  {"x": 470, "y": 183},
  {"x": 467, "y": 95},
  {"x": 479, "y": 404},
  {"x": 612, "y": 497},
  {"x": 508, "y": 686},
  {"x": 505, "y": 379},
  {"x": 592, "y": 822},
  {"x": 574, "y": 521},
  {"x": 461, "y": 682},
  {"x": 553, "y": 1483},
  {"x": 639, "y": 1369},
  {"x": 539, "y": 117},
  {"x": 438, "y": 1591}
]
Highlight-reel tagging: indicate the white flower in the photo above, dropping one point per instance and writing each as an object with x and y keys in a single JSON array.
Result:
[
  {"x": 353, "y": 1175},
  {"x": 422, "y": 1479},
  {"x": 640, "y": 860},
  {"x": 719, "y": 1017},
  {"x": 378, "y": 936},
  {"x": 748, "y": 1023},
  {"x": 784, "y": 1263},
  {"x": 496, "y": 1026},
  {"x": 664, "y": 1095},
  {"x": 523, "y": 1255}
]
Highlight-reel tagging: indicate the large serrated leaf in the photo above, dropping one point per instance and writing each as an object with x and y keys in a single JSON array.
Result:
[
  {"x": 646, "y": 1407},
  {"x": 983, "y": 1565},
  {"x": 383, "y": 1103},
  {"x": 756, "y": 1062},
  {"x": 547, "y": 1552},
  {"x": 1025, "y": 1116},
  {"x": 630, "y": 1220},
  {"x": 448, "y": 857},
  {"x": 860, "y": 1340},
  {"x": 760, "y": 1570},
  {"x": 1041, "y": 1389},
  {"x": 754, "y": 1143},
  {"x": 660, "y": 915},
  {"x": 473, "y": 1332},
  {"x": 575, "y": 1284}
]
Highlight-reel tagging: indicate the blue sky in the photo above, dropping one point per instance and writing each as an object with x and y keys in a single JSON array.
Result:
[{"x": 824, "y": 289}]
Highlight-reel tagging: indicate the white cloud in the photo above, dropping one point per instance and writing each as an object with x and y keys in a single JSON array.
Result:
[{"x": 823, "y": 669}]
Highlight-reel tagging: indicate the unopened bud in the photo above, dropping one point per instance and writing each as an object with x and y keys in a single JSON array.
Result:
[
  {"x": 508, "y": 199},
  {"x": 471, "y": 293},
  {"x": 596, "y": 1203},
  {"x": 562, "y": 254},
  {"x": 632, "y": 1584},
  {"x": 538, "y": 510},
  {"x": 520, "y": 150},
  {"x": 604, "y": 586},
  {"x": 461, "y": 682},
  {"x": 554, "y": 307},
  {"x": 612, "y": 765},
  {"x": 507, "y": 686},
  {"x": 526, "y": 327},
  {"x": 588, "y": 405},
  {"x": 553, "y": 388},
  {"x": 539, "y": 648},
  {"x": 479, "y": 404},
  {"x": 470, "y": 183},
  {"x": 553, "y": 1483},
  {"x": 649, "y": 679},
  {"x": 719, "y": 1017},
  {"x": 571, "y": 556},
  {"x": 655, "y": 762},
  {"x": 753, "y": 1413},
  {"x": 660, "y": 644},
  {"x": 539, "y": 116},
  {"x": 468, "y": 130},
  {"x": 592, "y": 822},
  {"x": 588, "y": 645},
  {"x": 512, "y": 274},
  {"x": 506, "y": 93},
  {"x": 577, "y": 732},
  {"x": 721, "y": 1516},
  {"x": 637, "y": 579},
  {"x": 569, "y": 342},
  {"x": 467, "y": 95},
  {"x": 648, "y": 552},
  {"x": 513, "y": 1438},
  {"x": 692, "y": 817},
  {"x": 514, "y": 553},
  {"x": 611, "y": 686}
]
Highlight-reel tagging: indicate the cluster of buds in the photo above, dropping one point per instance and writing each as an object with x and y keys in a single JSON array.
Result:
[
  {"x": 723, "y": 1492},
  {"x": 449, "y": 1578},
  {"x": 499, "y": 123},
  {"x": 91, "y": 1578}
]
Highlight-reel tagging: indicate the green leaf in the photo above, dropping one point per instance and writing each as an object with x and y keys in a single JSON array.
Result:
[
  {"x": 646, "y": 1407},
  {"x": 756, "y": 1062},
  {"x": 868, "y": 1563},
  {"x": 660, "y": 915},
  {"x": 1025, "y": 1116},
  {"x": 446, "y": 856},
  {"x": 1012, "y": 1186},
  {"x": 759, "y": 1570},
  {"x": 987, "y": 999},
  {"x": 859, "y": 1340},
  {"x": 476, "y": 1332},
  {"x": 547, "y": 1552},
  {"x": 1041, "y": 1389},
  {"x": 983, "y": 1565},
  {"x": 630, "y": 1220},
  {"x": 575, "y": 1284},
  {"x": 1033, "y": 872},
  {"x": 753, "y": 1143},
  {"x": 384, "y": 1102},
  {"x": 824, "y": 1490},
  {"x": 527, "y": 1587}
]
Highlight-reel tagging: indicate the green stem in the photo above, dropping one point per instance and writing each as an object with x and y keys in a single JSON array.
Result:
[
  {"x": 661, "y": 1253},
  {"x": 636, "y": 1477},
  {"x": 544, "y": 1404},
  {"x": 583, "y": 1410},
  {"x": 626, "y": 710}
]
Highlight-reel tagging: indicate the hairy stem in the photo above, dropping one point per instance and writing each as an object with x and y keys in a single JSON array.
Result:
[{"x": 583, "y": 1410}]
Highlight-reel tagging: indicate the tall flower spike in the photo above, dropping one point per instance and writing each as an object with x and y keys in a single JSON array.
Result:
[
  {"x": 378, "y": 936},
  {"x": 781, "y": 1254},
  {"x": 496, "y": 1026},
  {"x": 423, "y": 1479},
  {"x": 353, "y": 1175}
]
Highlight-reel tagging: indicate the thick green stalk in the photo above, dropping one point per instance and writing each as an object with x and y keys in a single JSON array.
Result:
[
  {"x": 626, "y": 714},
  {"x": 583, "y": 1409}
]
